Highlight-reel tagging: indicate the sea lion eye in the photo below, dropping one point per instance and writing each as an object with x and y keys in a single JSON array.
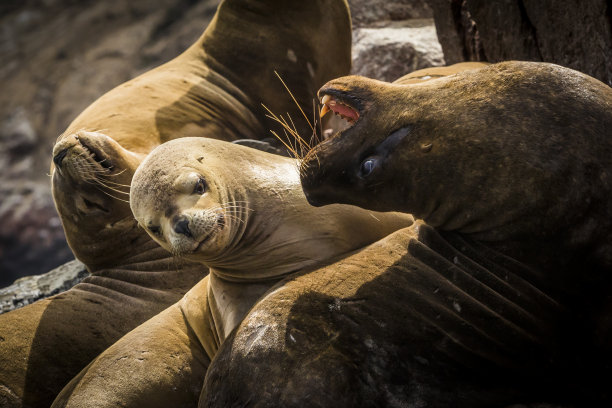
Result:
[
  {"x": 367, "y": 166},
  {"x": 200, "y": 186},
  {"x": 155, "y": 230}
]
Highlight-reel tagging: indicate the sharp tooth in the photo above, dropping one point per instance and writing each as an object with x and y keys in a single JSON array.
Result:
[
  {"x": 325, "y": 99},
  {"x": 324, "y": 110}
]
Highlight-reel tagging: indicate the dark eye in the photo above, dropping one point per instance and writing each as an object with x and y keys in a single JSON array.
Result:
[
  {"x": 155, "y": 230},
  {"x": 367, "y": 166},
  {"x": 200, "y": 187}
]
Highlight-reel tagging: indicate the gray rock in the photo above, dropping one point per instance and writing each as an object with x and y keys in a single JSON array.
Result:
[
  {"x": 31, "y": 236},
  {"x": 390, "y": 52},
  {"x": 365, "y": 13},
  {"x": 32, "y": 288}
]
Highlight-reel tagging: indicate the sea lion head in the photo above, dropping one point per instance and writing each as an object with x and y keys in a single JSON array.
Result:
[
  {"x": 513, "y": 148},
  {"x": 91, "y": 173},
  {"x": 181, "y": 203},
  {"x": 242, "y": 211}
]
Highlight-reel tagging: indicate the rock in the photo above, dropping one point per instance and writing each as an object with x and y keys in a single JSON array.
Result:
[
  {"x": 574, "y": 34},
  {"x": 57, "y": 57},
  {"x": 51, "y": 71},
  {"x": 17, "y": 140},
  {"x": 32, "y": 288},
  {"x": 31, "y": 236},
  {"x": 366, "y": 13},
  {"x": 390, "y": 52}
]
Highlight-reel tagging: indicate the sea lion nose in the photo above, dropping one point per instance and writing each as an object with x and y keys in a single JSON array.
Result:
[
  {"x": 181, "y": 226},
  {"x": 57, "y": 159}
]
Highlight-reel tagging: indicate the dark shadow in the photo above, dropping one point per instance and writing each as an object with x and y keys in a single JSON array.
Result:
[{"x": 450, "y": 323}]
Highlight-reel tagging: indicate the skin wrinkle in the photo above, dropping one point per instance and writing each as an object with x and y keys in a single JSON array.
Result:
[
  {"x": 493, "y": 295},
  {"x": 269, "y": 185}
]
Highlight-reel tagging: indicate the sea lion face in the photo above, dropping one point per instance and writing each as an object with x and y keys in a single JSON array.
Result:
[
  {"x": 182, "y": 209},
  {"x": 370, "y": 143},
  {"x": 91, "y": 173},
  {"x": 512, "y": 148},
  {"x": 242, "y": 211}
]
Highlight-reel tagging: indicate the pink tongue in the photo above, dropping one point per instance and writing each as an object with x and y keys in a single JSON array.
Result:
[{"x": 345, "y": 110}]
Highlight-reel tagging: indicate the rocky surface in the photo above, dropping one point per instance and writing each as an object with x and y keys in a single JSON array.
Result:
[
  {"x": 60, "y": 55},
  {"x": 368, "y": 13},
  {"x": 31, "y": 288},
  {"x": 393, "y": 38},
  {"x": 31, "y": 237},
  {"x": 389, "y": 52},
  {"x": 574, "y": 34}
]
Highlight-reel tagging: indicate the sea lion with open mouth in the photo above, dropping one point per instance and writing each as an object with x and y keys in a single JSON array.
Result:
[
  {"x": 502, "y": 299},
  {"x": 515, "y": 156},
  {"x": 242, "y": 213},
  {"x": 215, "y": 90}
]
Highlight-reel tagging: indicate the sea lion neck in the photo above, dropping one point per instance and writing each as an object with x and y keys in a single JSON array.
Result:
[
  {"x": 299, "y": 54},
  {"x": 515, "y": 154}
]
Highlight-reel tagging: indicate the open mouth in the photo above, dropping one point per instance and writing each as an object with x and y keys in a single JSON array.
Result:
[
  {"x": 338, "y": 107},
  {"x": 345, "y": 114}
]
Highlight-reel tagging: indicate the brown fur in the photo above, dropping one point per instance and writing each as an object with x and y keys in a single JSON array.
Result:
[
  {"x": 214, "y": 89},
  {"x": 269, "y": 232}
]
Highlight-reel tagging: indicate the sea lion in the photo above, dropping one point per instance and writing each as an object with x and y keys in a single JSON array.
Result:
[
  {"x": 419, "y": 318},
  {"x": 242, "y": 213},
  {"x": 510, "y": 167},
  {"x": 517, "y": 156},
  {"x": 427, "y": 74},
  {"x": 214, "y": 89}
]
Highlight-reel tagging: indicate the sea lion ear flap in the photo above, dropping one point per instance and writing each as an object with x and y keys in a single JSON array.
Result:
[
  {"x": 306, "y": 42},
  {"x": 263, "y": 145}
]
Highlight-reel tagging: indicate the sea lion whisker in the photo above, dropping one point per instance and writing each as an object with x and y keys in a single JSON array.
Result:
[
  {"x": 99, "y": 182},
  {"x": 283, "y": 123},
  {"x": 296, "y": 154},
  {"x": 293, "y": 131},
  {"x": 298, "y": 139},
  {"x": 112, "y": 196},
  {"x": 115, "y": 183},
  {"x": 303, "y": 143},
  {"x": 289, "y": 147},
  {"x": 294, "y": 100},
  {"x": 116, "y": 174}
]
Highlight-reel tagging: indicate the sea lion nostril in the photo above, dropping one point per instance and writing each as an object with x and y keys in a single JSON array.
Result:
[
  {"x": 182, "y": 226},
  {"x": 57, "y": 159}
]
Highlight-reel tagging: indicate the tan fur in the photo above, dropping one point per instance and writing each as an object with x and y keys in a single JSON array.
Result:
[
  {"x": 269, "y": 233},
  {"x": 214, "y": 90}
]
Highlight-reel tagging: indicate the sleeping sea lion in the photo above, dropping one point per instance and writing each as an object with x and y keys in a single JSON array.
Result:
[
  {"x": 214, "y": 89},
  {"x": 510, "y": 167},
  {"x": 242, "y": 213}
]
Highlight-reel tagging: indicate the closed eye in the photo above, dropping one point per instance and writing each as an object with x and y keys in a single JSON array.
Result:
[{"x": 155, "y": 230}]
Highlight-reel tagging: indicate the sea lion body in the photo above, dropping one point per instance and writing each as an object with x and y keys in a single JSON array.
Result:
[
  {"x": 510, "y": 166},
  {"x": 418, "y": 318},
  {"x": 242, "y": 213},
  {"x": 214, "y": 90},
  {"x": 516, "y": 156}
]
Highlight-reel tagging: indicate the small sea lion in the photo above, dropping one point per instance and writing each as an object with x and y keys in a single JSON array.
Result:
[
  {"x": 215, "y": 90},
  {"x": 242, "y": 213}
]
